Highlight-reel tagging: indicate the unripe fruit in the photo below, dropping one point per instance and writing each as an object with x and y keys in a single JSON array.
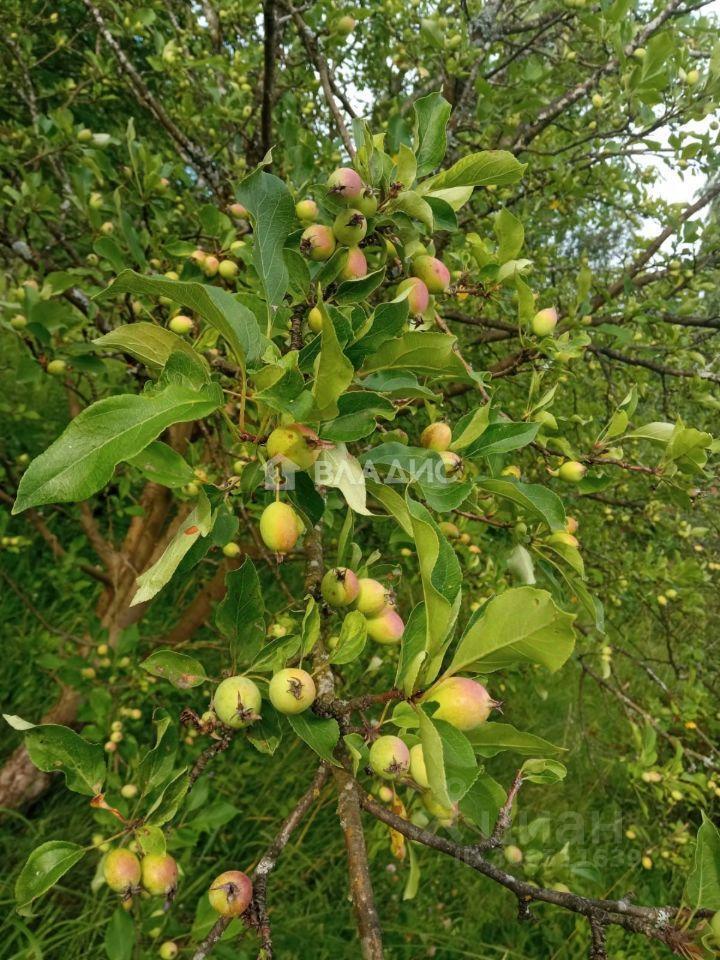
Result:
[
  {"x": 345, "y": 184},
  {"x": 231, "y": 550},
  {"x": 389, "y": 757},
  {"x": 385, "y": 794},
  {"x": 597, "y": 100},
  {"x": 168, "y": 950},
  {"x": 571, "y": 525},
  {"x": 564, "y": 538},
  {"x": 18, "y": 322},
  {"x": 96, "y": 201},
  {"x": 84, "y": 135},
  {"x": 436, "y": 436},
  {"x": 513, "y": 854},
  {"x": 238, "y": 211},
  {"x": 419, "y": 297},
  {"x": 452, "y": 463},
  {"x": 693, "y": 77},
  {"x": 449, "y": 529},
  {"x": 386, "y": 627},
  {"x": 463, "y": 702},
  {"x": 199, "y": 256},
  {"x": 639, "y": 54},
  {"x": 181, "y": 324},
  {"x": 572, "y": 471},
  {"x": 306, "y": 210},
  {"x": 237, "y": 702},
  {"x": 315, "y": 320},
  {"x": 56, "y": 368},
  {"x": 292, "y": 691},
  {"x": 228, "y": 269},
  {"x": 230, "y": 893},
  {"x": 371, "y": 598},
  {"x": 280, "y": 527},
  {"x": 107, "y": 227},
  {"x": 350, "y": 227},
  {"x": 417, "y": 766},
  {"x": 210, "y": 266},
  {"x": 367, "y": 203},
  {"x": 445, "y": 815},
  {"x": 433, "y": 273},
  {"x": 344, "y": 25},
  {"x": 318, "y": 242},
  {"x": 296, "y": 443},
  {"x": 544, "y": 322},
  {"x": 159, "y": 874},
  {"x": 121, "y": 869},
  {"x": 236, "y": 246},
  {"x": 355, "y": 266},
  {"x": 128, "y": 790},
  {"x": 339, "y": 587}
]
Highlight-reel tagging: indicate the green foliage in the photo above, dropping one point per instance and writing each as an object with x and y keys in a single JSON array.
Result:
[{"x": 130, "y": 138}]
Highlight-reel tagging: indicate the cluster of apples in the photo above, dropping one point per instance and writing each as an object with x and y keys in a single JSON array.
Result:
[
  {"x": 460, "y": 701},
  {"x": 341, "y": 587},
  {"x": 127, "y": 874},
  {"x": 349, "y": 229},
  {"x": 299, "y": 447},
  {"x": 437, "y": 436},
  {"x": 238, "y": 703}
]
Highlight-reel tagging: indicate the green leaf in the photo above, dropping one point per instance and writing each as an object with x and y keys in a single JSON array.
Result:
[
  {"x": 149, "y": 343},
  {"x": 337, "y": 467},
  {"x": 441, "y": 582},
  {"x": 319, "y": 733},
  {"x": 220, "y": 309},
  {"x": 181, "y": 670},
  {"x": 357, "y": 411},
  {"x": 81, "y": 461},
  {"x": 334, "y": 371},
  {"x": 543, "y": 771},
  {"x": 490, "y": 739},
  {"x": 161, "y": 464},
  {"x": 241, "y": 614},
  {"x": 119, "y": 941},
  {"x": 510, "y": 234},
  {"x": 431, "y": 117},
  {"x": 702, "y": 889},
  {"x": 498, "y": 167},
  {"x": 52, "y": 748},
  {"x": 522, "y": 623},
  {"x": 393, "y": 502},
  {"x": 265, "y": 734},
  {"x": 416, "y": 207},
  {"x": 310, "y": 633},
  {"x": 47, "y": 864},
  {"x": 405, "y": 169},
  {"x": 355, "y": 291},
  {"x": 532, "y": 497},
  {"x": 502, "y": 438},
  {"x": 156, "y": 767},
  {"x": 151, "y": 840},
  {"x": 273, "y": 212},
  {"x": 432, "y": 746},
  {"x": 167, "y": 804},
  {"x": 351, "y": 642},
  {"x": 420, "y": 352},
  {"x": 483, "y": 802},
  {"x": 467, "y": 430},
  {"x": 197, "y": 524}
]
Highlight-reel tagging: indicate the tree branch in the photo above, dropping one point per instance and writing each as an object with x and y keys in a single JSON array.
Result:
[
  {"x": 264, "y": 868},
  {"x": 651, "y": 922}
]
